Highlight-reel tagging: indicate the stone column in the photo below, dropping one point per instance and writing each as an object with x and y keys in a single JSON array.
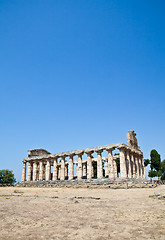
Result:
[
  {"x": 84, "y": 169},
  {"x": 66, "y": 170},
  {"x": 115, "y": 169},
  {"x": 55, "y": 169},
  {"x": 110, "y": 164},
  {"x": 41, "y": 171},
  {"x": 106, "y": 168},
  {"x": 143, "y": 169},
  {"x": 133, "y": 165},
  {"x": 89, "y": 165},
  {"x": 35, "y": 172},
  {"x": 137, "y": 166},
  {"x": 29, "y": 171},
  {"x": 129, "y": 165},
  {"x": 23, "y": 172},
  {"x": 59, "y": 172},
  {"x": 48, "y": 171},
  {"x": 99, "y": 165},
  {"x": 62, "y": 168},
  {"x": 93, "y": 169},
  {"x": 44, "y": 171},
  {"x": 79, "y": 168},
  {"x": 123, "y": 172},
  {"x": 140, "y": 166},
  {"x": 38, "y": 169},
  {"x": 71, "y": 170}
]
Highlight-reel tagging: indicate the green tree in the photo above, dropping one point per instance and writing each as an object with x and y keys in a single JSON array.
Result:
[
  {"x": 152, "y": 173},
  {"x": 7, "y": 177},
  {"x": 155, "y": 164},
  {"x": 146, "y": 162},
  {"x": 155, "y": 160}
]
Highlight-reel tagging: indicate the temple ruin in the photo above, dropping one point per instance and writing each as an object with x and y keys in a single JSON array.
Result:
[{"x": 41, "y": 165}]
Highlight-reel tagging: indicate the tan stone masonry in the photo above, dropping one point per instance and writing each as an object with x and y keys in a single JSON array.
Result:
[{"x": 39, "y": 163}]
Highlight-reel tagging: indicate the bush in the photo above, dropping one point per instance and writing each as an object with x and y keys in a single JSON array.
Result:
[{"x": 7, "y": 177}]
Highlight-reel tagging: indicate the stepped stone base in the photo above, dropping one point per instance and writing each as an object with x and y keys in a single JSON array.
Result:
[{"x": 93, "y": 183}]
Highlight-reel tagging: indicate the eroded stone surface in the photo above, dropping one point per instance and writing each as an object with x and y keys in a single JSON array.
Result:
[{"x": 40, "y": 163}]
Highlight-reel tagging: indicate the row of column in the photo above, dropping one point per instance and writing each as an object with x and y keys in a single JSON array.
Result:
[{"x": 131, "y": 166}]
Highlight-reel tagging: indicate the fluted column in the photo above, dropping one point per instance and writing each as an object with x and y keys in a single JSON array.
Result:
[
  {"x": 106, "y": 168},
  {"x": 138, "y": 170},
  {"x": 93, "y": 174},
  {"x": 129, "y": 164},
  {"x": 89, "y": 165},
  {"x": 23, "y": 172},
  {"x": 29, "y": 171},
  {"x": 79, "y": 167},
  {"x": 140, "y": 166},
  {"x": 59, "y": 172},
  {"x": 99, "y": 165},
  {"x": 71, "y": 167},
  {"x": 133, "y": 165},
  {"x": 44, "y": 171},
  {"x": 41, "y": 171},
  {"x": 37, "y": 178},
  {"x": 137, "y": 166},
  {"x": 35, "y": 172},
  {"x": 62, "y": 168},
  {"x": 110, "y": 164},
  {"x": 55, "y": 169},
  {"x": 48, "y": 171},
  {"x": 66, "y": 170},
  {"x": 123, "y": 172},
  {"x": 84, "y": 166},
  {"x": 143, "y": 169}
]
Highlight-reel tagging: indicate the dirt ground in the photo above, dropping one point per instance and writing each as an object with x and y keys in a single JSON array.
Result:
[{"x": 68, "y": 213}]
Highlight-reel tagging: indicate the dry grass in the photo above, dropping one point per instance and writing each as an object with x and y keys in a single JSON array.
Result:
[{"x": 67, "y": 213}]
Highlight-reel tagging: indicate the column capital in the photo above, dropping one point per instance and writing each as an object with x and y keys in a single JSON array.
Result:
[
  {"x": 132, "y": 152},
  {"x": 109, "y": 149},
  {"x": 89, "y": 152},
  {"x": 128, "y": 150},
  {"x": 79, "y": 152},
  {"x": 136, "y": 154},
  {"x": 141, "y": 154},
  {"x": 122, "y": 148},
  {"x": 99, "y": 151}
]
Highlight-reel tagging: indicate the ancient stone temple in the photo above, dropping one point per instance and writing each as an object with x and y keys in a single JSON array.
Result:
[{"x": 41, "y": 165}]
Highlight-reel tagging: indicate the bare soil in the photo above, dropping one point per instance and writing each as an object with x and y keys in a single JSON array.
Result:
[{"x": 71, "y": 213}]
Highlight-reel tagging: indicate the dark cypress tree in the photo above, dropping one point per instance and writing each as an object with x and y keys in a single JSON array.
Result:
[{"x": 155, "y": 160}]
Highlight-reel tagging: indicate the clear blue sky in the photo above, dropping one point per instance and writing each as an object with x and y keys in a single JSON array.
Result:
[{"x": 77, "y": 74}]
